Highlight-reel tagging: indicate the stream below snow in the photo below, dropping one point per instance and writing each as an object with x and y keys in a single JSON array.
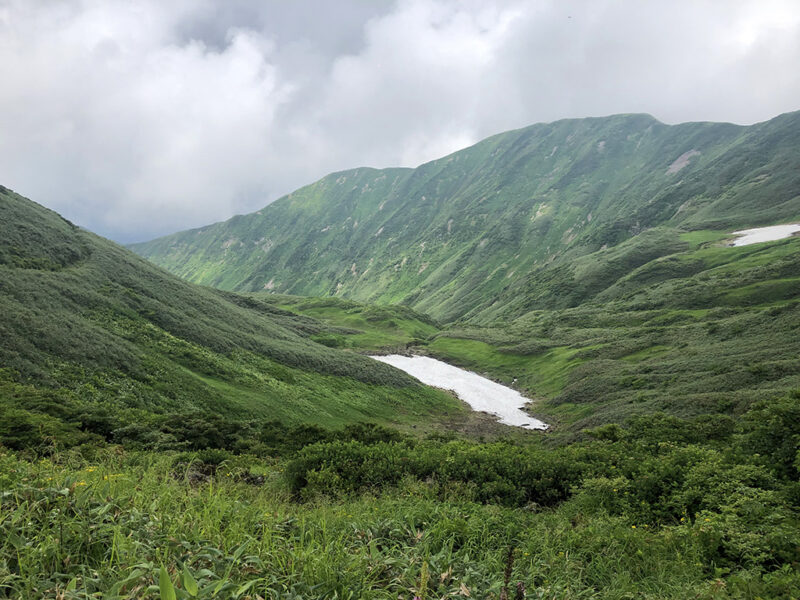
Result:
[{"x": 480, "y": 393}]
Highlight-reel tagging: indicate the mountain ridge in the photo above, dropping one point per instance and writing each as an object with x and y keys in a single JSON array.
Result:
[{"x": 447, "y": 235}]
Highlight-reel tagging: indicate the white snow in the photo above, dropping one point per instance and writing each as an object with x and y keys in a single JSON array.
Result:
[
  {"x": 764, "y": 234},
  {"x": 480, "y": 393}
]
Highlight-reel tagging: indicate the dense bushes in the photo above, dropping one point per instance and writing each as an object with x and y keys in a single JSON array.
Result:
[
  {"x": 657, "y": 470},
  {"x": 772, "y": 436},
  {"x": 497, "y": 473},
  {"x": 677, "y": 502}
]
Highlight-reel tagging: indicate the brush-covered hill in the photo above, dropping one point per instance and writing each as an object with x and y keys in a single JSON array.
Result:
[
  {"x": 96, "y": 340},
  {"x": 475, "y": 231},
  {"x": 705, "y": 331}
]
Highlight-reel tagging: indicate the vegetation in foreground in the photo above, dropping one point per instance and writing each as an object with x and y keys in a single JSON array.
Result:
[{"x": 660, "y": 508}]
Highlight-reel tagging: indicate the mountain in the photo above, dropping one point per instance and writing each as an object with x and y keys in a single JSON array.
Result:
[
  {"x": 485, "y": 232},
  {"x": 89, "y": 328}
]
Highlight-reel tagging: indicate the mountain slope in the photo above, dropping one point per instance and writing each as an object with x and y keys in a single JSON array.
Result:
[
  {"x": 86, "y": 323},
  {"x": 450, "y": 236},
  {"x": 707, "y": 330}
]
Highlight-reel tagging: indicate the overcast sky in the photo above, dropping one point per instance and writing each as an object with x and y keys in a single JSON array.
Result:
[{"x": 137, "y": 118}]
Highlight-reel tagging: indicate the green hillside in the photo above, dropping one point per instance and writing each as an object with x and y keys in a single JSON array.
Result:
[
  {"x": 705, "y": 330},
  {"x": 97, "y": 341},
  {"x": 160, "y": 439},
  {"x": 477, "y": 233}
]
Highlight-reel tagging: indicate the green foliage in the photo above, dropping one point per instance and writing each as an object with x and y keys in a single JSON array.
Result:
[
  {"x": 772, "y": 434},
  {"x": 363, "y": 327},
  {"x": 492, "y": 473},
  {"x": 160, "y": 439},
  {"x": 381, "y": 516}
]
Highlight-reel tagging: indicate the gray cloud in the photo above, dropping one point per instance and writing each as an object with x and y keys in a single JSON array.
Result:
[{"x": 139, "y": 118}]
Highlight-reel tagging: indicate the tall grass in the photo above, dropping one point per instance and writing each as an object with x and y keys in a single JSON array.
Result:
[{"x": 140, "y": 526}]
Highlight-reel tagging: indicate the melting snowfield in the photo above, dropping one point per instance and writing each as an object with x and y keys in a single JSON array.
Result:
[
  {"x": 480, "y": 393},
  {"x": 764, "y": 234}
]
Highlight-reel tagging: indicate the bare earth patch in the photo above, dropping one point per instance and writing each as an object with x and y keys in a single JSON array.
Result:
[{"x": 682, "y": 161}]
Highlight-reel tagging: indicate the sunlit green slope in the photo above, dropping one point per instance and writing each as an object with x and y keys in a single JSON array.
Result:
[{"x": 481, "y": 228}]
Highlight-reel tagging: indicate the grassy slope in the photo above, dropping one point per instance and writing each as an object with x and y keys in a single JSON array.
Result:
[
  {"x": 703, "y": 331},
  {"x": 89, "y": 322},
  {"x": 362, "y": 327},
  {"x": 477, "y": 230}
]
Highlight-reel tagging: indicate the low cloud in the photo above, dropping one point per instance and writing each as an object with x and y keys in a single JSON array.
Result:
[{"x": 140, "y": 118}]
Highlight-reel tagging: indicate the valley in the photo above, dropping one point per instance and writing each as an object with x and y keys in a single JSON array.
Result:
[{"x": 216, "y": 424}]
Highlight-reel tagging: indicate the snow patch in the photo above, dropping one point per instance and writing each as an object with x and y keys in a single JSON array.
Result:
[
  {"x": 480, "y": 393},
  {"x": 765, "y": 234}
]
